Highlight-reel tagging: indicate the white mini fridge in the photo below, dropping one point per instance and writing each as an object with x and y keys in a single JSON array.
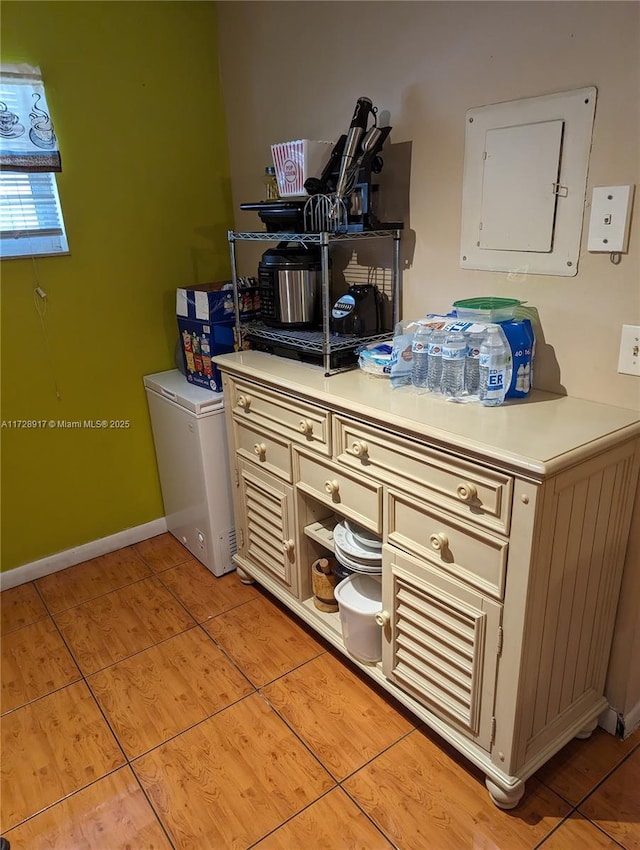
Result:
[{"x": 190, "y": 438}]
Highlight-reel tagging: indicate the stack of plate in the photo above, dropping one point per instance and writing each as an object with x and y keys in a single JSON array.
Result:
[{"x": 357, "y": 549}]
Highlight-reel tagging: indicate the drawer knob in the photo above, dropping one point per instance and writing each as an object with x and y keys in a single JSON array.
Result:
[
  {"x": 306, "y": 426},
  {"x": 439, "y": 541},
  {"x": 287, "y": 545},
  {"x": 244, "y": 401},
  {"x": 466, "y": 492},
  {"x": 360, "y": 448},
  {"x": 332, "y": 487},
  {"x": 260, "y": 449},
  {"x": 383, "y": 618}
]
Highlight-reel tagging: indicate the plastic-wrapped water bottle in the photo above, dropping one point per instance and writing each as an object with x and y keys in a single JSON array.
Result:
[
  {"x": 434, "y": 363},
  {"x": 472, "y": 363},
  {"x": 454, "y": 353},
  {"x": 495, "y": 367},
  {"x": 420, "y": 357}
]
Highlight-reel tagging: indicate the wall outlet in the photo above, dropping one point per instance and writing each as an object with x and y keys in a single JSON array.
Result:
[
  {"x": 610, "y": 217},
  {"x": 629, "y": 362}
]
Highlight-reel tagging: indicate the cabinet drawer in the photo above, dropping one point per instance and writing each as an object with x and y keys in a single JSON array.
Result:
[
  {"x": 470, "y": 491},
  {"x": 280, "y": 414},
  {"x": 266, "y": 450},
  {"x": 465, "y": 551},
  {"x": 351, "y": 495}
]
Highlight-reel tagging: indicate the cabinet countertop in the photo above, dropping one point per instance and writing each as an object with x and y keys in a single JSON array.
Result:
[{"x": 538, "y": 435}]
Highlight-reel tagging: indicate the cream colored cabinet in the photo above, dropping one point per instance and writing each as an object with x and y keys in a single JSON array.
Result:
[
  {"x": 441, "y": 641},
  {"x": 456, "y": 548},
  {"x": 340, "y": 490},
  {"x": 480, "y": 494},
  {"x": 268, "y": 410},
  {"x": 504, "y": 533},
  {"x": 268, "y": 451},
  {"x": 264, "y": 425},
  {"x": 267, "y": 525}
]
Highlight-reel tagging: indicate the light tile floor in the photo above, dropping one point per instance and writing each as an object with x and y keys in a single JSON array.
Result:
[{"x": 147, "y": 704}]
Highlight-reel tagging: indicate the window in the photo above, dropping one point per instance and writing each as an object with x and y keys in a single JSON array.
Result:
[{"x": 31, "y": 222}]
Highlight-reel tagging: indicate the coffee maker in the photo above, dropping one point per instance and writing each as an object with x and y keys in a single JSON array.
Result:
[{"x": 358, "y": 312}]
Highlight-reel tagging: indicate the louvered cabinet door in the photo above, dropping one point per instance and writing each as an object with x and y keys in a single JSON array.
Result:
[
  {"x": 267, "y": 521},
  {"x": 441, "y": 643}
]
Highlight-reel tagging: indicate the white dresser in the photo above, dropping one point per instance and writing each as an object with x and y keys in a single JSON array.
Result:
[{"x": 504, "y": 534}]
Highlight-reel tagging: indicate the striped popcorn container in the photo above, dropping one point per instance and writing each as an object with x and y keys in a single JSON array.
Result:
[{"x": 296, "y": 161}]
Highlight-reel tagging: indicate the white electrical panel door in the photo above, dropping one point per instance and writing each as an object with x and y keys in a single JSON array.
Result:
[
  {"x": 519, "y": 186},
  {"x": 524, "y": 184}
]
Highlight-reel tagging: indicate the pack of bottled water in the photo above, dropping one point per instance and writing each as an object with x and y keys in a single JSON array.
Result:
[{"x": 463, "y": 360}]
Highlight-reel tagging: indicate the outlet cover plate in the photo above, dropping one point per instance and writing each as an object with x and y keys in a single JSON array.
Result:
[
  {"x": 629, "y": 361},
  {"x": 610, "y": 217}
]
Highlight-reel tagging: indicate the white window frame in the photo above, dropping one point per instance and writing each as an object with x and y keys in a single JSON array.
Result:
[{"x": 31, "y": 222}]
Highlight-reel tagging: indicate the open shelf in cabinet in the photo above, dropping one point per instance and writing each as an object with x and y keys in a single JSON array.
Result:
[
  {"x": 329, "y": 620},
  {"x": 330, "y": 626},
  {"x": 322, "y": 532}
]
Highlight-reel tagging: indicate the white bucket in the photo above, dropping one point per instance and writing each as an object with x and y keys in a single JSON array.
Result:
[{"x": 359, "y": 599}]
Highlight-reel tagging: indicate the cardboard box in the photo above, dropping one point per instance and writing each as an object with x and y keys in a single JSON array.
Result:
[
  {"x": 206, "y": 320},
  {"x": 297, "y": 160}
]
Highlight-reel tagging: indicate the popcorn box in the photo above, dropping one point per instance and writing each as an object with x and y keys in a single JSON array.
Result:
[{"x": 296, "y": 161}]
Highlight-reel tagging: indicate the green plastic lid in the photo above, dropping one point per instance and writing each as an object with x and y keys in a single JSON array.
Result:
[{"x": 489, "y": 303}]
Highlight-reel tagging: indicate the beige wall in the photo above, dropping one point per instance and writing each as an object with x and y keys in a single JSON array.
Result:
[{"x": 294, "y": 70}]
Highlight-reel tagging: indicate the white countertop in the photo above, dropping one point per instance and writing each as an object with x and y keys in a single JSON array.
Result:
[{"x": 540, "y": 434}]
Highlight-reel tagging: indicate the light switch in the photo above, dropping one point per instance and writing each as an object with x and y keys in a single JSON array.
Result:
[
  {"x": 629, "y": 361},
  {"x": 610, "y": 217}
]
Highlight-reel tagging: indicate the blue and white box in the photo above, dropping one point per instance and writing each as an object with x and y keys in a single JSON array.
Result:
[{"x": 206, "y": 320}]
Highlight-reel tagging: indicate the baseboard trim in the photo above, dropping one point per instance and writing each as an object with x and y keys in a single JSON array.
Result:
[
  {"x": 70, "y": 557},
  {"x": 614, "y": 723},
  {"x": 609, "y": 720},
  {"x": 632, "y": 720}
]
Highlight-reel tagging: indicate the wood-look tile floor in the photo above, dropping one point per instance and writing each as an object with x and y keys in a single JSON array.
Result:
[{"x": 147, "y": 704}]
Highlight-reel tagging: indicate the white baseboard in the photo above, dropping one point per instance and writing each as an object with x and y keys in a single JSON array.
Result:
[
  {"x": 609, "y": 720},
  {"x": 70, "y": 557},
  {"x": 632, "y": 720}
]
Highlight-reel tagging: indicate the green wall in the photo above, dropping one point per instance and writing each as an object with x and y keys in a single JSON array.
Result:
[{"x": 136, "y": 101}]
